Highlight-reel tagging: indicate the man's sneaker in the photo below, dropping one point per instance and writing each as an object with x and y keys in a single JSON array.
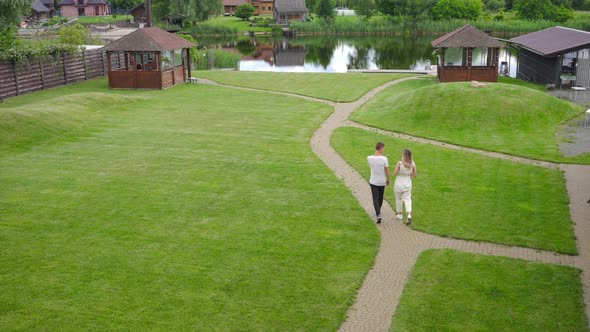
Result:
[
  {"x": 378, "y": 218},
  {"x": 399, "y": 216},
  {"x": 409, "y": 220}
]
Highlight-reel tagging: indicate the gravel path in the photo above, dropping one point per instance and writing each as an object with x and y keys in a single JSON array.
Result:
[{"x": 400, "y": 246}]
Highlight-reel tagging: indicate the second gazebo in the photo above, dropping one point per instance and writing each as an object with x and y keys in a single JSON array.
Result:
[
  {"x": 467, "y": 54},
  {"x": 148, "y": 58}
]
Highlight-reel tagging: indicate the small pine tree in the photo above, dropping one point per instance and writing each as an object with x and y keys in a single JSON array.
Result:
[{"x": 325, "y": 9}]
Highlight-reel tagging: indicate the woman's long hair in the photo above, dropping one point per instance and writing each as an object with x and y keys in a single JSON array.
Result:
[{"x": 407, "y": 159}]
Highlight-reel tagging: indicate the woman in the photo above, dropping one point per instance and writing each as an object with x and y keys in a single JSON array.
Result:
[{"x": 405, "y": 169}]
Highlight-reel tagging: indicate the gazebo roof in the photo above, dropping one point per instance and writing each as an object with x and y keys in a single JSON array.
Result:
[
  {"x": 39, "y": 7},
  {"x": 149, "y": 40},
  {"x": 555, "y": 40},
  {"x": 466, "y": 36},
  {"x": 291, "y": 6}
]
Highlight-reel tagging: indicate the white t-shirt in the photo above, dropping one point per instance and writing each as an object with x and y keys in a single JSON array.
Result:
[{"x": 378, "y": 164}]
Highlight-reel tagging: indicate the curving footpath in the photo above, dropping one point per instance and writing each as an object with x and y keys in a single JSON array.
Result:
[{"x": 378, "y": 297}]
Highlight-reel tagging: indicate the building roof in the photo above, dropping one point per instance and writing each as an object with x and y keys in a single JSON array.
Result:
[
  {"x": 48, "y": 2},
  {"x": 87, "y": 2},
  {"x": 290, "y": 6},
  {"x": 553, "y": 41},
  {"x": 141, "y": 5},
  {"x": 149, "y": 39},
  {"x": 466, "y": 36},
  {"x": 39, "y": 7},
  {"x": 234, "y": 2}
]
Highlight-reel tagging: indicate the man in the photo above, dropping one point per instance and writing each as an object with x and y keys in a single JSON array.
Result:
[{"x": 379, "y": 177}]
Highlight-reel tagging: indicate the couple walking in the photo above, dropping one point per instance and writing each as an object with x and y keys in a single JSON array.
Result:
[{"x": 404, "y": 170}]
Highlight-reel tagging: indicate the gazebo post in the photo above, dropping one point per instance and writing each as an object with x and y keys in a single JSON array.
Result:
[
  {"x": 188, "y": 62},
  {"x": 109, "y": 67}
]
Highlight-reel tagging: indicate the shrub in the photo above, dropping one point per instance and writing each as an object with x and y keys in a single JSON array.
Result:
[{"x": 77, "y": 34}]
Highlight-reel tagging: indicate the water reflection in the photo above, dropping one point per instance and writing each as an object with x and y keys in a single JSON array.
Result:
[{"x": 338, "y": 54}]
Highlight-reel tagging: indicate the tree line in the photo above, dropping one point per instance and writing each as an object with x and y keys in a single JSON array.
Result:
[{"x": 551, "y": 10}]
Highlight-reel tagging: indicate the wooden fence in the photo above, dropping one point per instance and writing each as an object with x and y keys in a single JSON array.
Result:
[{"x": 44, "y": 73}]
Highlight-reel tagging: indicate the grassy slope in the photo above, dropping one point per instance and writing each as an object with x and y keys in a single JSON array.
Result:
[
  {"x": 468, "y": 196},
  {"x": 501, "y": 117},
  {"x": 195, "y": 206},
  {"x": 454, "y": 291},
  {"x": 335, "y": 87}
]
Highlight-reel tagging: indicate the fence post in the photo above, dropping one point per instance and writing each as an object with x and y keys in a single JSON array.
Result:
[
  {"x": 102, "y": 59},
  {"x": 41, "y": 73},
  {"x": 15, "y": 77},
  {"x": 85, "y": 65},
  {"x": 63, "y": 57}
]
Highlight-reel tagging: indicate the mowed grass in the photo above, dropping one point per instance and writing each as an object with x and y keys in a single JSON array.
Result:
[
  {"x": 468, "y": 196},
  {"x": 335, "y": 87},
  {"x": 501, "y": 117},
  {"x": 196, "y": 207},
  {"x": 454, "y": 291},
  {"x": 236, "y": 23}
]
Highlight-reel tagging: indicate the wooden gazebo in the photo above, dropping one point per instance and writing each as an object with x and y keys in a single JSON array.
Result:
[
  {"x": 148, "y": 58},
  {"x": 467, "y": 54}
]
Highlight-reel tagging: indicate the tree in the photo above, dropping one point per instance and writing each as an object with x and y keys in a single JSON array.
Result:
[
  {"x": 11, "y": 13},
  {"x": 542, "y": 10},
  {"x": 192, "y": 10},
  {"x": 460, "y": 9},
  {"x": 364, "y": 8},
  {"x": 411, "y": 8},
  {"x": 311, "y": 5},
  {"x": 325, "y": 9},
  {"x": 245, "y": 11},
  {"x": 494, "y": 5}
]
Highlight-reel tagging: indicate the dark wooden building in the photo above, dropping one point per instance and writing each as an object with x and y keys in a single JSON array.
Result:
[
  {"x": 467, "y": 54},
  {"x": 139, "y": 13},
  {"x": 152, "y": 59},
  {"x": 40, "y": 11},
  {"x": 558, "y": 56},
  {"x": 288, "y": 10}
]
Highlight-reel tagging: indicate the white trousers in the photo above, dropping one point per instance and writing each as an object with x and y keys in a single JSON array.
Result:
[
  {"x": 402, "y": 189},
  {"x": 406, "y": 198}
]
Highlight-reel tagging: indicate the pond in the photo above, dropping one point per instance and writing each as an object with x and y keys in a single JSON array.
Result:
[{"x": 338, "y": 54}]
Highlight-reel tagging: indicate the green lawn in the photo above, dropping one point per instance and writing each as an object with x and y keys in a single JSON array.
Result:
[
  {"x": 236, "y": 23},
  {"x": 454, "y": 291},
  {"x": 464, "y": 195},
  {"x": 197, "y": 206},
  {"x": 102, "y": 19},
  {"x": 501, "y": 117},
  {"x": 335, "y": 87}
]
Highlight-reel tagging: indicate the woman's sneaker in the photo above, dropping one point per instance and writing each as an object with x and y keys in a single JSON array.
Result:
[
  {"x": 378, "y": 218},
  {"x": 409, "y": 220},
  {"x": 399, "y": 216}
]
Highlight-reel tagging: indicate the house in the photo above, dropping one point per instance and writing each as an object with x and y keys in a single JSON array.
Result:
[
  {"x": 148, "y": 58},
  {"x": 74, "y": 8},
  {"x": 262, "y": 7},
  {"x": 557, "y": 55},
  {"x": 288, "y": 10},
  {"x": 39, "y": 11},
  {"x": 229, "y": 6},
  {"x": 467, "y": 54},
  {"x": 138, "y": 13}
]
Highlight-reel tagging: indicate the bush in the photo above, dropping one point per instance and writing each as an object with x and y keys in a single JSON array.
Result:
[
  {"x": 74, "y": 35},
  {"x": 28, "y": 50}
]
